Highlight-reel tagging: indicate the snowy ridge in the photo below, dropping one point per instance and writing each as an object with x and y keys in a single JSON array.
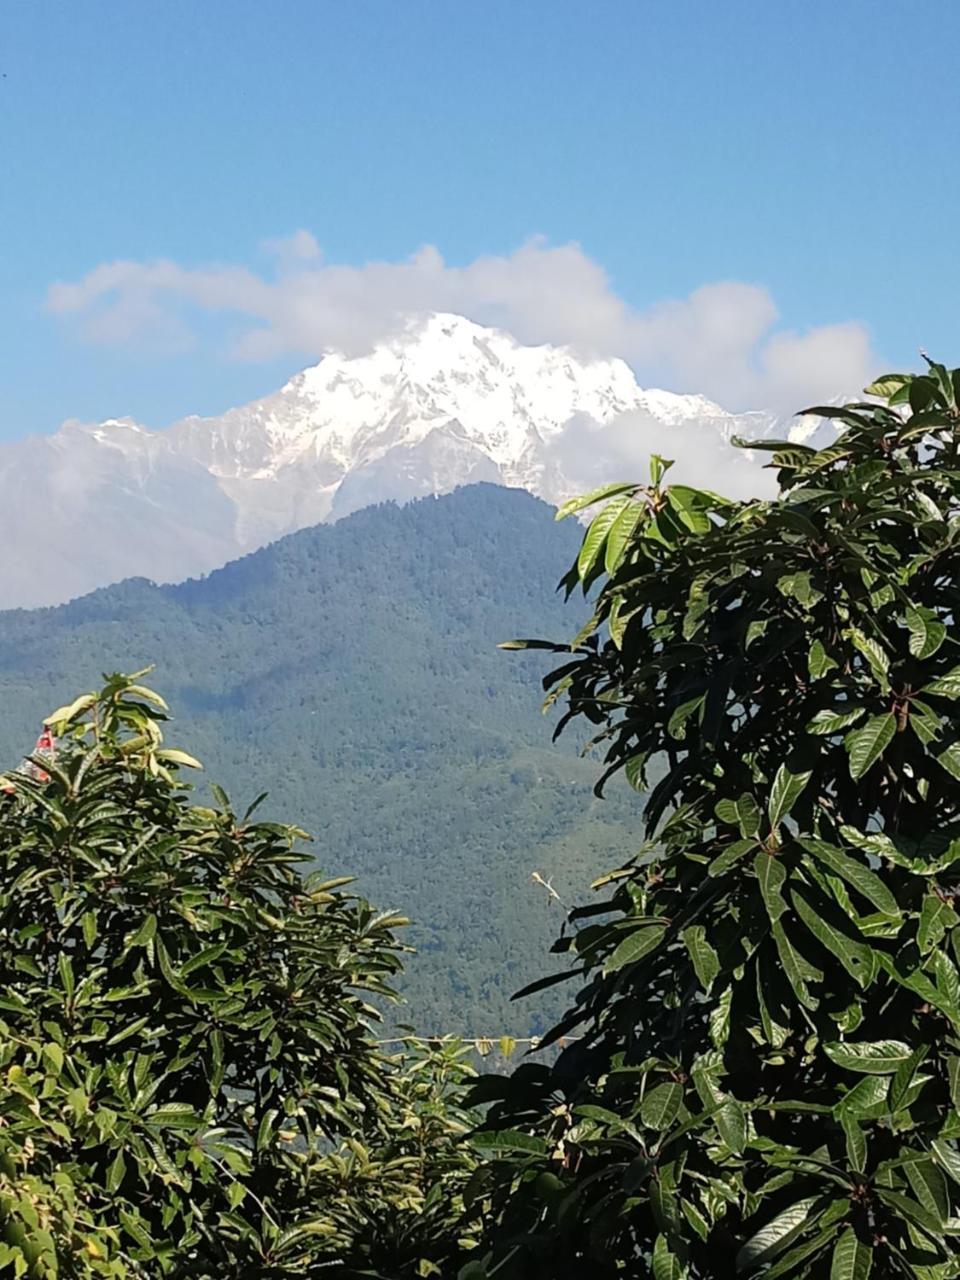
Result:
[{"x": 441, "y": 403}]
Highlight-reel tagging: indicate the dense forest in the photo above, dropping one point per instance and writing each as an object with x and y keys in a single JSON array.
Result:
[{"x": 352, "y": 672}]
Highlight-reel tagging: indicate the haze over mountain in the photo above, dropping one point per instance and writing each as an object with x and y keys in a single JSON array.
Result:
[
  {"x": 443, "y": 403},
  {"x": 352, "y": 671}
]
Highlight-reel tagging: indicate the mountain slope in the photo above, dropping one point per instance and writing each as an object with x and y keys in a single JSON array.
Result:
[
  {"x": 352, "y": 671},
  {"x": 443, "y": 403}
]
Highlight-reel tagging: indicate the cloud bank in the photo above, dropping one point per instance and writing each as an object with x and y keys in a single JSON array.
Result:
[{"x": 722, "y": 340}]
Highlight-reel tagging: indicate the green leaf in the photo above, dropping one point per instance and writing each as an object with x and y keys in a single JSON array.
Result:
[
  {"x": 731, "y": 1121},
  {"x": 661, "y": 1106},
  {"x": 146, "y": 933},
  {"x": 868, "y": 744},
  {"x": 731, "y": 854},
  {"x": 776, "y": 1235},
  {"x": 689, "y": 508},
  {"x": 927, "y": 633},
  {"x": 945, "y": 686},
  {"x": 871, "y": 1057},
  {"x": 588, "y": 499},
  {"x": 819, "y": 661},
  {"x": 170, "y": 755},
  {"x": 621, "y": 531},
  {"x": 826, "y": 722},
  {"x": 905, "y": 1076},
  {"x": 856, "y": 1141},
  {"x": 948, "y": 1157},
  {"x": 851, "y": 1260},
  {"x": 793, "y": 967},
  {"x": 936, "y": 917},
  {"x": 634, "y": 947},
  {"x": 666, "y": 1264},
  {"x": 876, "y": 658},
  {"x": 858, "y": 876},
  {"x": 595, "y": 538},
  {"x": 54, "y": 1055},
  {"x": 785, "y": 792},
  {"x": 949, "y": 758},
  {"x": 771, "y": 875},
  {"x": 117, "y": 1172},
  {"x": 63, "y": 715},
  {"x": 706, "y": 963},
  {"x": 855, "y": 957},
  {"x": 676, "y": 726},
  {"x": 887, "y": 384},
  {"x": 509, "y": 1140}
]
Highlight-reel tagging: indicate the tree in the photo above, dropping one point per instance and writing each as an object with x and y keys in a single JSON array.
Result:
[
  {"x": 768, "y": 1076},
  {"x": 189, "y": 1084}
]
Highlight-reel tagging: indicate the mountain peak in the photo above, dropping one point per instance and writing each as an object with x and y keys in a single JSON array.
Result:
[{"x": 440, "y": 402}]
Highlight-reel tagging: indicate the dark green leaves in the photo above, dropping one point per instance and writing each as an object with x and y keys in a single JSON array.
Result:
[
  {"x": 634, "y": 947},
  {"x": 855, "y": 873},
  {"x": 852, "y": 1259}
]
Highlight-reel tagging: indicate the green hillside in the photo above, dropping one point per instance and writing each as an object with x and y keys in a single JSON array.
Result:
[{"x": 352, "y": 670}]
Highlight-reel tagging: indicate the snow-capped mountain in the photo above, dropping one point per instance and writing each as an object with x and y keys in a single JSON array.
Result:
[{"x": 445, "y": 402}]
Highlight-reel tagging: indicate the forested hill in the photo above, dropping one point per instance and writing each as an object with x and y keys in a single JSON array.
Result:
[{"x": 351, "y": 670}]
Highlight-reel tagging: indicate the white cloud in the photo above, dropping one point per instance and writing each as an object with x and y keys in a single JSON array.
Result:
[{"x": 721, "y": 340}]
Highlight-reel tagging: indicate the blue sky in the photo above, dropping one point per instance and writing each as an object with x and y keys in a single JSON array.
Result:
[{"x": 798, "y": 159}]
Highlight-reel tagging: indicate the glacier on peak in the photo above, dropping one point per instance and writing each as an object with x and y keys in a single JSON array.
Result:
[{"x": 439, "y": 403}]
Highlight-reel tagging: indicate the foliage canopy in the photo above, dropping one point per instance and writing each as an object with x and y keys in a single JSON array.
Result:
[
  {"x": 189, "y": 1084},
  {"x": 768, "y": 1079}
]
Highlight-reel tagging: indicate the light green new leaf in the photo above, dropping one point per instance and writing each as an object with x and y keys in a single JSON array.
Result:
[
  {"x": 621, "y": 531},
  {"x": 170, "y": 755},
  {"x": 574, "y": 505},
  {"x": 63, "y": 715}
]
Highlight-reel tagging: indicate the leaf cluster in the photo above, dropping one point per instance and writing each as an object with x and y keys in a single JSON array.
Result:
[{"x": 768, "y": 1078}]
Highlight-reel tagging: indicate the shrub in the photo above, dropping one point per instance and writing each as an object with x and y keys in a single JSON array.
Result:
[{"x": 189, "y": 1078}]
